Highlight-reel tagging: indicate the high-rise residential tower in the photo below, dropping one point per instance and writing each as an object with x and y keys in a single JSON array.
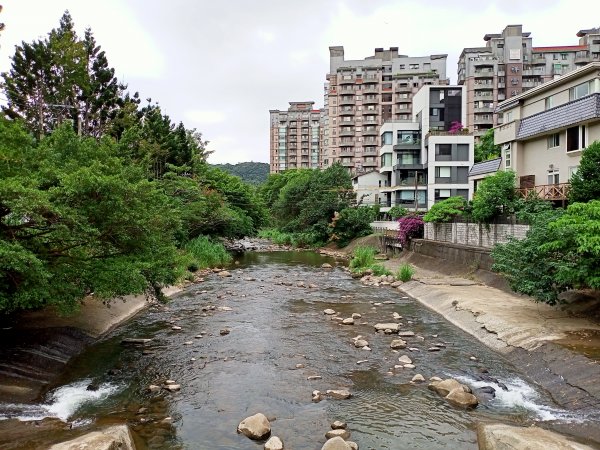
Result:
[
  {"x": 295, "y": 137},
  {"x": 509, "y": 65},
  {"x": 360, "y": 95}
]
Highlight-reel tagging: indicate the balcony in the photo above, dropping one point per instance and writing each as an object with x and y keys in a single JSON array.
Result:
[
  {"x": 346, "y": 80},
  {"x": 370, "y": 141},
  {"x": 349, "y": 121},
  {"x": 370, "y": 131},
  {"x": 581, "y": 59},
  {"x": 369, "y": 151},
  {"x": 485, "y": 120},
  {"x": 484, "y": 109},
  {"x": 347, "y": 131},
  {"x": 347, "y": 163},
  {"x": 547, "y": 191},
  {"x": 483, "y": 63},
  {"x": 369, "y": 163},
  {"x": 346, "y": 91},
  {"x": 346, "y": 111},
  {"x": 369, "y": 79},
  {"x": 414, "y": 164},
  {"x": 403, "y": 89},
  {"x": 370, "y": 99},
  {"x": 484, "y": 95},
  {"x": 347, "y": 101},
  {"x": 506, "y": 133},
  {"x": 371, "y": 89},
  {"x": 538, "y": 60},
  {"x": 367, "y": 120}
]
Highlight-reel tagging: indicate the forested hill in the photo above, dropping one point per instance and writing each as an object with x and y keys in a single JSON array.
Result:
[{"x": 250, "y": 172}]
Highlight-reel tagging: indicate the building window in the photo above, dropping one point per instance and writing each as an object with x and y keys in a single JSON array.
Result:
[
  {"x": 576, "y": 138},
  {"x": 580, "y": 90},
  {"x": 553, "y": 176},
  {"x": 507, "y": 156},
  {"x": 444, "y": 149},
  {"x": 563, "y": 56},
  {"x": 442, "y": 193},
  {"x": 413, "y": 66},
  {"x": 572, "y": 171},
  {"x": 442, "y": 172},
  {"x": 550, "y": 102},
  {"x": 554, "y": 140},
  {"x": 386, "y": 138}
]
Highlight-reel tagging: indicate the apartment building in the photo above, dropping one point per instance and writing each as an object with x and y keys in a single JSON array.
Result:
[
  {"x": 360, "y": 95},
  {"x": 546, "y": 129},
  {"x": 509, "y": 65},
  {"x": 428, "y": 159},
  {"x": 295, "y": 137}
]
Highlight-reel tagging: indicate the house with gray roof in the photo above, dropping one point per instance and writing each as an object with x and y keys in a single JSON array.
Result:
[{"x": 546, "y": 129}]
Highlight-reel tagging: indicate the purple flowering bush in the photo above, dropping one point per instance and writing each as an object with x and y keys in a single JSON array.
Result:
[{"x": 409, "y": 227}]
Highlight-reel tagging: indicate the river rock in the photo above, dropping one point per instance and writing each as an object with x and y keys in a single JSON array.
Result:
[
  {"x": 329, "y": 312},
  {"x": 458, "y": 397},
  {"x": 409, "y": 366},
  {"x": 224, "y": 274},
  {"x": 348, "y": 321},
  {"x": 418, "y": 378},
  {"x": 176, "y": 328},
  {"x": 341, "y": 432},
  {"x": 405, "y": 359},
  {"x": 224, "y": 331},
  {"x": 435, "y": 379},
  {"x": 353, "y": 445},
  {"x": 444, "y": 387},
  {"x": 338, "y": 424},
  {"x": 339, "y": 394},
  {"x": 314, "y": 377},
  {"x": 506, "y": 437},
  {"x": 172, "y": 387},
  {"x": 398, "y": 344},
  {"x": 336, "y": 443},
  {"x": 433, "y": 349},
  {"x": 386, "y": 326},
  {"x": 396, "y": 284},
  {"x": 360, "y": 343},
  {"x": 396, "y": 316},
  {"x": 356, "y": 315},
  {"x": 109, "y": 438},
  {"x": 153, "y": 388},
  {"x": 255, "y": 427},
  {"x": 326, "y": 266},
  {"x": 406, "y": 334},
  {"x": 274, "y": 443},
  {"x": 135, "y": 341}
]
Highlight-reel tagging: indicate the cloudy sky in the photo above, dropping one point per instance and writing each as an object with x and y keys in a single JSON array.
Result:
[{"x": 219, "y": 66}]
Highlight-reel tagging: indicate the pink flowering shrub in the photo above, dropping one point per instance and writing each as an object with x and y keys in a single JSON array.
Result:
[
  {"x": 455, "y": 127},
  {"x": 409, "y": 227}
]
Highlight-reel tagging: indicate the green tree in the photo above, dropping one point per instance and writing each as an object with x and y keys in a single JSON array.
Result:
[
  {"x": 495, "y": 196},
  {"x": 352, "y": 223},
  {"x": 446, "y": 210},
  {"x": 585, "y": 183},
  {"x": 485, "y": 149},
  {"x": 75, "y": 219}
]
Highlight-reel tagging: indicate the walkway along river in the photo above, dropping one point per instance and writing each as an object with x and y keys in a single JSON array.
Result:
[{"x": 253, "y": 342}]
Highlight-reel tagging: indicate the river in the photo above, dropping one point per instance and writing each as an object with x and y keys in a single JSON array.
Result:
[{"x": 278, "y": 337}]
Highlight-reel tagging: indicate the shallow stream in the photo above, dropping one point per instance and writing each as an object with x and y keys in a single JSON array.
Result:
[{"x": 274, "y": 326}]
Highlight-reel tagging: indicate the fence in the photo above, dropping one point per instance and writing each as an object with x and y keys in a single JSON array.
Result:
[{"x": 475, "y": 234}]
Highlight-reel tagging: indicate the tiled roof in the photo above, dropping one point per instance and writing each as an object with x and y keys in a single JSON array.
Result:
[
  {"x": 485, "y": 167},
  {"x": 561, "y": 116}
]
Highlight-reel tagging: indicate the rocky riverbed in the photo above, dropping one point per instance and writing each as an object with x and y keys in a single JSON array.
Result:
[{"x": 303, "y": 345}]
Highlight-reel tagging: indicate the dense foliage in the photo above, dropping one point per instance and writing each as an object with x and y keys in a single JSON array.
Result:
[
  {"x": 352, "y": 223},
  {"x": 585, "y": 183},
  {"x": 495, "y": 196},
  {"x": 250, "y": 172},
  {"x": 395, "y": 212},
  {"x": 446, "y": 210},
  {"x": 100, "y": 195},
  {"x": 485, "y": 149}
]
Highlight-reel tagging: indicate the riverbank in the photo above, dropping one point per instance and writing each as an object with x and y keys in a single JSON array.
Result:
[
  {"x": 537, "y": 338},
  {"x": 37, "y": 345}
]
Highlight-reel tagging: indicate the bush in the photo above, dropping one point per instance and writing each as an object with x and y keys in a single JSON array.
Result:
[
  {"x": 585, "y": 183},
  {"x": 405, "y": 272},
  {"x": 409, "y": 227},
  {"x": 396, "y": 212},
  {"x": 446, "y": 210},
  {"x": 495, "y": 196},
  {"x": 379, "y": 270},
  {"x": 207, "y": 253},
  {"x": 352, "y": 223}
]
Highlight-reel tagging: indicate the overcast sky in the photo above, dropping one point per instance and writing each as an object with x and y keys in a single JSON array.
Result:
[{"x": 219, "y": 66}]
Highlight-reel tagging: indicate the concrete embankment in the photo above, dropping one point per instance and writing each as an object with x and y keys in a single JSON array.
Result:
[
  {"x": 526, "y": 332},
  {"x": 38, "y": 345}
]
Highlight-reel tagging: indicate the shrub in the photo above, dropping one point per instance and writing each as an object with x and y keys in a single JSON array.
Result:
[
  {"x": 363, "y": 257},
  {"x": 585, "y": 183},
  {"x": 396, "y": 212},
  {"x": 405, "y": 272},
  {"x": 409, "y": 227},
  {"x": 207, "y": 253},
  {"x": 352, "y": 223},
  {"x": 446, "y": 210},
  {"x": 495, "y": 196},
  {"x": 379, "y": 270}
]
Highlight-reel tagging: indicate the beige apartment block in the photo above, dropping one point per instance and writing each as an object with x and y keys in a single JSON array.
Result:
[
  {"x": 360, "y": 95},
  {"x": 509, "y": 65},
  {"x": 546, "y": 129},
  {"x": 295, "y": 137}
]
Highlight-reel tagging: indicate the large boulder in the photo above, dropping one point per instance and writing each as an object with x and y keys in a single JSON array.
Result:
[
  {"x": 444, "y": 387},
  {"x": 458, "y": 397},
  {"x": 255, "y": 427},
  {"x": 336, "y": 443},
  {"x": 341, "y": 432},
  {"x": 506, "y": 437},
  {"x": 111, "y": 438}
]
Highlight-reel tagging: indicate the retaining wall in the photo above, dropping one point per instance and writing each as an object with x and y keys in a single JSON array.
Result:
[{"x": 474, "y": 234}]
